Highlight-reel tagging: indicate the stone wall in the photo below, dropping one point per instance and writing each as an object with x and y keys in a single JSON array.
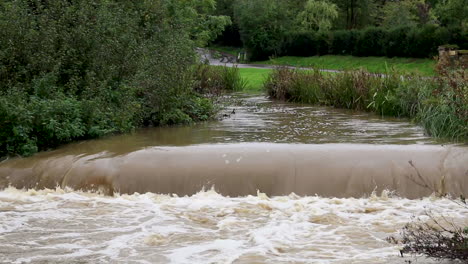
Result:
[{"x": 452, "y": 57}]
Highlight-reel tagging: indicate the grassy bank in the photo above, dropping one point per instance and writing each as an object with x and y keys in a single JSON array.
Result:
[
  {"x": 215, "y": 79},
  {"x": 440, "y": 105},
  {"x": 254, "y": 79},
  {"x": 403, "y": 66}
]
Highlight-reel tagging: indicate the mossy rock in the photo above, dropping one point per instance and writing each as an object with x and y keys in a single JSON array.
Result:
[{"x": 448, "y": 47}]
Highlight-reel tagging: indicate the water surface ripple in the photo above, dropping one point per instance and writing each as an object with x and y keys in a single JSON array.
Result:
[{"x": 259, "y": 119}]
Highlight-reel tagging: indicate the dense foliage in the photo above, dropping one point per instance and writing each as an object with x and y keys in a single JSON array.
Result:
[
  {"x": 416, "y": 42},
  {"x": 406, "y": 28},
  {"x": 82, "y": 69},
  {"x": 440, "y": 105}
]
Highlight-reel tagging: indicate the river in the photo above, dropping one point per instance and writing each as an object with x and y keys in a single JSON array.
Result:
[{"x": 271, "y": 182}]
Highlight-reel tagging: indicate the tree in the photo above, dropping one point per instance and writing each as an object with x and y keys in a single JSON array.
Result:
[
  {"x": 263, "y": 25},
  {"x": 453, "y": 13},
  {"x": 197, "y": 16},
  {"x": 318, "y": 15},
  {"x": 399, "y": 13}
]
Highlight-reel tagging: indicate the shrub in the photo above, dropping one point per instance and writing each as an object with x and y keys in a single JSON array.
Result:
[
  {"x": 16, "y": 123},
  {"x": 323, "y": 43},
  {"x": 439, "y": 239},
  {"x": 370, "y": 42},
  {"x": 79, "y": 69},
  {"x": 423, "y": 42},
  {"x": 458, "y": 36},
  {"x": 343, "y": 42},
  {"x": 215, "y": 79},
  {"x": 396, "y": 43},
  {"x": 300, "y": 44},
  {"x": 418, "y": 42}
]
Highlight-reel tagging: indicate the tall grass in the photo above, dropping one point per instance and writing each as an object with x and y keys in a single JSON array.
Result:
[
  {"x": 214, "y": 79},
  {"x": 439, "y": 104}
]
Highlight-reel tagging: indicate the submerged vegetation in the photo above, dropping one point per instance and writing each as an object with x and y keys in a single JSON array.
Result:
[
  {"x": 440, "y": 104},
  {"x": 215, "y": 79},
  {"x": 433, "y": 234},
  {"x": 437, "y": 238}
]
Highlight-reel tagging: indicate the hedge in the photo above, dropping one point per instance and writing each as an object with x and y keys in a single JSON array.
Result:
[{"x": 416, "y": 42}]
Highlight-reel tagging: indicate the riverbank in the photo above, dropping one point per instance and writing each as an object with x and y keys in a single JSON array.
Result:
[
  {"x": 439, "y": 104},
  {"x": 77, "y": 70}
]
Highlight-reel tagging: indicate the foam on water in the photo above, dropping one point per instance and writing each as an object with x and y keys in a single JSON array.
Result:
[{"x": 66, "y": 226}]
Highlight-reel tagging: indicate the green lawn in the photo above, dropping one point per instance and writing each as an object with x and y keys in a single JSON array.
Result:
[
  {"x": 371, "y": 64},
  {"x": 254, "y": 78}
]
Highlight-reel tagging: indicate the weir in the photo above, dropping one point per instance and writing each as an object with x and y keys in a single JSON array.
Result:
[
  {"x": 330, "y": 170},
  {"x": 327, "y": 157}
]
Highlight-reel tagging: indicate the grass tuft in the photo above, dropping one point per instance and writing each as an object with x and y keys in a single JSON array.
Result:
[{"x": 214, "y": 79}]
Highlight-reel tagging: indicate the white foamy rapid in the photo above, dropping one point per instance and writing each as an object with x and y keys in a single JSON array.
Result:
[{"x": 65, "y": 226}]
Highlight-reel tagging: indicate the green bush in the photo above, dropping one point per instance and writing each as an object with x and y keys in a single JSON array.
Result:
[
  {"x": 323, "y": 43},
  {"x": 16, "y": 123},
  {"x": 79, "y": 69},
  {"x": 370, "y": 42},
  {"x": 300, "y": 44},
  {"x": 396, "y": 43},
  {"x": 215, "y": 79},
  {"x": 343, "y": 42},
  {"x": 423, "y": 42}
]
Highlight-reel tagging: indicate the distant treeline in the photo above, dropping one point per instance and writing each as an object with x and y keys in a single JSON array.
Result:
[
  {"x": 397, "y": 42},
  {"x": 402, "y": 28}
]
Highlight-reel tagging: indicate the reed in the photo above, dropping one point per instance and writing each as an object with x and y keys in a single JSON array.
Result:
[
  {"x": 214, "y": 79},
  {"x": 439, "y": 104}
]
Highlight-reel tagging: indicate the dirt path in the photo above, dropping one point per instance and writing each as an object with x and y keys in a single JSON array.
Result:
[{"x": 207, "y": 55}]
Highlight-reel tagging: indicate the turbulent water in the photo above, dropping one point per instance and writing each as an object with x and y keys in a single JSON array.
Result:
[
  {"x": 60, "y": 226},
  {"x": 66, "y": 226},
  {"x": 258, "y": 119}
]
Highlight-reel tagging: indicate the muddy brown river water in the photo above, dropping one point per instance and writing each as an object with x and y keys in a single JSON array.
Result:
[{"x": 270, "y": 183}]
